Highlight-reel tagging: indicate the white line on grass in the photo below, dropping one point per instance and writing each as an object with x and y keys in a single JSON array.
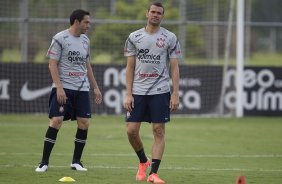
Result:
[
  {"x": 167, "y": 155},
  {"x": 164, "y": 168}
]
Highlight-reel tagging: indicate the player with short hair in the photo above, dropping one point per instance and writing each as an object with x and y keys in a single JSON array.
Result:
[
  {"x": 72, "y": 75},
  {"x": 152, "y": 55}
]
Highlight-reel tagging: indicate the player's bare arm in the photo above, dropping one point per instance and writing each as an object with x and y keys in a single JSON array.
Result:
[
  {"x": 93, "y": 84},
  {"x": 61, "y": 95},
  {"x": 129, "y": 76},
  {"x": 174, "y": 102}
]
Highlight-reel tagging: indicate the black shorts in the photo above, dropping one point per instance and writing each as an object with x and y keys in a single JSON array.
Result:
[
  {"x": 150, "y": 108},
  {"x": 77, "y": 105}
]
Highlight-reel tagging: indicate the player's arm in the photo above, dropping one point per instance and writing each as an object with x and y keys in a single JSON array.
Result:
[
  {"x": 93, "y": 84},
  {"x": 174, "y": 102},
  {"x": 61, "y": 95},
  {"x": 129, "y": 77}
]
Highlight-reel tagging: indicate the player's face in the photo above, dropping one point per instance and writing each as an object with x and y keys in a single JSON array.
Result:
[
  {"x": 84, "y": 25},
  {"x": 155, "y": 15}
]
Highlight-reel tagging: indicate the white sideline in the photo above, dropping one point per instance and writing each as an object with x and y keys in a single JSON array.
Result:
[
  {"x": 166, "y": 155},
  {"x": 163, "y": 168}
]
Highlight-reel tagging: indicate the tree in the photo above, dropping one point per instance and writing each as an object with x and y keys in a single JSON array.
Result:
[{"x": 110, "y": 38}]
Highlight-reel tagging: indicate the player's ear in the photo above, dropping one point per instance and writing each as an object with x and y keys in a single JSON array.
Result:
[{"x": 76, "y": 21}]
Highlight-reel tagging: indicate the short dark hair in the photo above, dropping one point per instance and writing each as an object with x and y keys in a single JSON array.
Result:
[
  {"x": 156, "y": 4},
  {"x": 78, "y": 15}
]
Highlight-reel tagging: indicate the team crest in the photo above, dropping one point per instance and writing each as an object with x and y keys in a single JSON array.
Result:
[
  {"x": 160, "y": 42},
  {"x": 85, "y": 45},
  {"x": 61, "y": 109},
  {"x": 128, "y": 114}
]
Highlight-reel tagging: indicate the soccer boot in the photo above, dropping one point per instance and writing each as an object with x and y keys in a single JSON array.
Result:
[
  {"x": 42, "y": 167},
  {"x": 141, "y": 173},
  {"x": 154, "y": 178},
  {"x": 78, "y": 166}
]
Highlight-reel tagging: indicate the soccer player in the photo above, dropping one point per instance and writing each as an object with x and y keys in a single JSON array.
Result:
[
  {"x": 72, "y": 77},
  {"x": 152, "y": 54}
]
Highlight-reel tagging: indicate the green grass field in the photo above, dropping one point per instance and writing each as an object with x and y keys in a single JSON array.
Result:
[{"x": 198, "y": 151}]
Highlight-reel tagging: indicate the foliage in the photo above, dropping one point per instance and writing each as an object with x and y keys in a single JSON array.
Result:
[
  {"x": 9, "y": 55},
  {"x": 107, "y": 41},
  {"x": 110, "y": 38},
  {"x": 195, "y": 41}
]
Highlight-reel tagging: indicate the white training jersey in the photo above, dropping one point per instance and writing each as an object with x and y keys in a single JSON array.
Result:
[
  {"x": 72, "y": 54},
  {"x": 153, "y": 53}
]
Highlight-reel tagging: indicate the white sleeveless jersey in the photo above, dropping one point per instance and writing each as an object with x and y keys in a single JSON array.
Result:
[
  {"x": 72, "y": 54},
  {"x": 152, "y": 52}
]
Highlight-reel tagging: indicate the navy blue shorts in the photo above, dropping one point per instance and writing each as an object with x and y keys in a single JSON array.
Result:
[
  {"x": 77, "y": 105},
  {"x": 150, "y": 108}
]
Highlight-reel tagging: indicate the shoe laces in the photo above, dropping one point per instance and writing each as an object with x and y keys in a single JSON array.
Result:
[
  {"x": 155, "y": 177},
  {"x": 41, "y": 164},
  {"x": 79, "y": 163},
  {"x": 143, "y": 165}
]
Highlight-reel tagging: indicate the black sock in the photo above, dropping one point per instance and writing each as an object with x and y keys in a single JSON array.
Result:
[
  {"x": 142, "y": 156},
  {"x": 79, "y": 143},
  {"x": 49, "y": 141},
  {"x": 155, "y": 165}
]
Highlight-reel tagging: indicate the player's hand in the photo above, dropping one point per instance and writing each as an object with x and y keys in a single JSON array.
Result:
[
  {"x": 174, "y": 102},
  {"x": 128, "y": 102},
  {"x": 61, "y": 96},
  {"x": 98, "y": 96}
]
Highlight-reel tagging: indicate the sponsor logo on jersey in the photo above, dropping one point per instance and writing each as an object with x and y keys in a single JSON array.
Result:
[
  {"x": 144, "y": 56},
  {"x": 76, "y": 58},
  {"x": 76, "y": 73},
  {"x": 138, "y": 35},
  {"x": 148, "y": 75}
]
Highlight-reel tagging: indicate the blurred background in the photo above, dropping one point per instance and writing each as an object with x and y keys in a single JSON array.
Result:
[
  {"x": 206, "y": 30},
  {"x": 27, "y": 27}
]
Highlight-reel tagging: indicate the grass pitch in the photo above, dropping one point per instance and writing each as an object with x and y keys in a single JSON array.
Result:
[{"x": 198, "y": 151}]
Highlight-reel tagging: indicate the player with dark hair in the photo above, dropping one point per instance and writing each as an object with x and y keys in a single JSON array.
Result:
[
  {"x": 152, "y": 55},
  {"x": 72, "y": 75}
]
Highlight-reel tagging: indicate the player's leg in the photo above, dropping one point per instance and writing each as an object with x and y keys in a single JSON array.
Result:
[
  {"x": 50, "y": 137},
  {"x": 157, "y": 152},
  {"x": 160, "y": 114},
  {"x": 133, "y": 135},
  {"x": 134, "y": 119},
  {"x": 82, "y": 113},
  {"x": 79, "y": 143},
  {"x": 133, "y": 129},
  {"x": 56, "y": 114}
]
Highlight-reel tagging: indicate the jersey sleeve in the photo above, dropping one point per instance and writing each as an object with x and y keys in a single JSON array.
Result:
[
  {"x": 55, "y": 49},
  {"x": 174, "y": 50},
  {"x": 86, "y": 44},
  {"x": 129, "y": 47}
]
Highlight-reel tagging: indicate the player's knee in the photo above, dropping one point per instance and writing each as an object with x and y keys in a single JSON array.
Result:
[
  {"x": 132, "y": 133},
  {"x": 159, "y": 132},
  {"x": 56, "y": 122},
  {"x": 83, "y": 123}
]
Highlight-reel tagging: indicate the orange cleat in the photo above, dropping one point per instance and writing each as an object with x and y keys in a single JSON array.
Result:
[
  {"x": 241, "y": 180},
  {"x": 141, "y": 173},
  {"x": 154, "y": 178}
]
